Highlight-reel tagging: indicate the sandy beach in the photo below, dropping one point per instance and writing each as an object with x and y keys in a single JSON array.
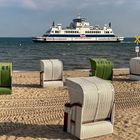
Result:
[{"x": 35, "y": 113}]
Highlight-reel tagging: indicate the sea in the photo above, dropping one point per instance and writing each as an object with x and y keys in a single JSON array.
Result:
[{"x": 26, "y": 55}]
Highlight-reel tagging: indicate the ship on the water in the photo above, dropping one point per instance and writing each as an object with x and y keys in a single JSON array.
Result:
[{"x": 79, "y": 31}]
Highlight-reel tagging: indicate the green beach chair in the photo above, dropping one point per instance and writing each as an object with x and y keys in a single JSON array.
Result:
[
  {"x": 101, "y": 68},
  {"x": 5, "y": 78}
]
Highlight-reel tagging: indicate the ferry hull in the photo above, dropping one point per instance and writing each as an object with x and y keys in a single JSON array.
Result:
[
  {"x": 43, "y": 40},
  {"x": 38, "y": 41}
]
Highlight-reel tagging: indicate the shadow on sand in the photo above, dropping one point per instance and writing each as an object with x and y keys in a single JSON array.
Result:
[
  {"x": 28, "y": 85},
  {"x": 34, "y": 131}
]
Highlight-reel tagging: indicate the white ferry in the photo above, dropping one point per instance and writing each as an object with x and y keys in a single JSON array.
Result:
[{"x": 79, "y": 31}]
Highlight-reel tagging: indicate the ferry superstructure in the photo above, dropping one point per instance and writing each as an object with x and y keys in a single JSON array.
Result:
[{"x": 80, "y": 31}]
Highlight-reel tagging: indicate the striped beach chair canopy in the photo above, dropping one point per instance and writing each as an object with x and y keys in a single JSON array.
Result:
[
  {"x": 51, "y": 72},
  {"x": 135, "y": 68},
  {"x": 52, "y": 68},
  {"x": 91, "y": 106},
  {"x": 5, "y": 78},
  {"x": 102, "y": 68}
]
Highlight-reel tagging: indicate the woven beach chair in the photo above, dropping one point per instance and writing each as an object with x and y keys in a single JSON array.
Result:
[
  {"x": 135, "y": 68},
  {"x": 101, "y": 68},
  {"x": 90, "y": 112},
  {"x": 5, "y": 78},
  {"x": 51, "y": 73}
]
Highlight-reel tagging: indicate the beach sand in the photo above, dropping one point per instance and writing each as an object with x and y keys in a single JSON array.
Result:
[{"x": 35, "y": 113}]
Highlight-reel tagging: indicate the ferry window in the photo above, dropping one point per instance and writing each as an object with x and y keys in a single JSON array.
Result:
[
  {"x": 107, "y": 32},
  {"x": 97, "y": 32},
  {"x": 87, "y": 32},
  {"x": 56, "y": 31},
  {"x": 52, "y": 31}
]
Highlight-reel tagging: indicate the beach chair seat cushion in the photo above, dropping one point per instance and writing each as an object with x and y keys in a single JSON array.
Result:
[
  {"x": 96, "y": 129},
  {"x": 53, "y": 84},
  {"x": 5, "y": 90}
]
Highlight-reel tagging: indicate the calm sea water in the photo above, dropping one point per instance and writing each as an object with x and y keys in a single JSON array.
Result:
[{"x": 26, "y": 55}]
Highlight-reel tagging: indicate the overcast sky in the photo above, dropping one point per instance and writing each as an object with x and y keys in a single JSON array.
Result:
[{"x": 26, "y": 18}]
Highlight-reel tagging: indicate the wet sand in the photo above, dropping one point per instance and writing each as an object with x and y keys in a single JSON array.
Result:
[{"x": 35, "y": 113}]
